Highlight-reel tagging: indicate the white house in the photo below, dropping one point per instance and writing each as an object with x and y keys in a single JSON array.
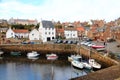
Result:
[
  {"x": 34, "y": 35},
  {"x": 70, "y": 34},
  {"x": 18, "y": 33},
  {"x": 47, "y": 31},
  {"x": 10, "y": 33}
]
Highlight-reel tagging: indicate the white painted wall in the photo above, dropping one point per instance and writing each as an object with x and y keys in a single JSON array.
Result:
[
  {"x": 46, "y": 32},
  {"x": 10, "y": 33},
  {"x": 70, "y": 34},
  {"x": 34, "y": 35}
]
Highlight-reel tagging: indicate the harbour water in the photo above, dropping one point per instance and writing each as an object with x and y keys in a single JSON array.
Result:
[{"x": 19, "y": 68}]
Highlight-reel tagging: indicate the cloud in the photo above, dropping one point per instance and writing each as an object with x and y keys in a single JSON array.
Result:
[{"x": 63, "y": 10}]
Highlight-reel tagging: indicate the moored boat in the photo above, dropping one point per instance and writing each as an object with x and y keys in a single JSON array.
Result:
[
  {"x": 77, "y": 64},
  {"x": 32, "y": 54},
  {"x": 51, "y": 56},
  {"x": 1, "y": 52},
  {"x": 74, "y": 57},
  {"x": 15, "y": 53},
  {"x": 94, "y": 64},
  {"x": 87, "y": 65}
]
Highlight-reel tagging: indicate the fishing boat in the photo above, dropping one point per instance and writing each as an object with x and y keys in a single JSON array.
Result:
[
  {"x": 77, "y": 64},
  {"x": 32, "y": 54},
  {"x": 74, "y": 57},
  {"x": 94, "y": 64},
  {"x": 15, "y": 53},
  {"x": 51, "y": 56}
]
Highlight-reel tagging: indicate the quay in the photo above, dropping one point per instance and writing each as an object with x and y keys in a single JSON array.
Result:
[{"x": 110, "y": 68}]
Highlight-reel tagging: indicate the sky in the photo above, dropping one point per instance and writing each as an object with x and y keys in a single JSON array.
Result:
[{"x": 60, "y": 10}]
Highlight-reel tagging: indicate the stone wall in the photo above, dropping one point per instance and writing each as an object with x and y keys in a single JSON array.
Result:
[{"x": 63, "y": 49}]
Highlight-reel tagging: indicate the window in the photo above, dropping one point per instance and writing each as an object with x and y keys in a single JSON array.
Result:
[
  {"x": 52, "y": 32},
  {"x": 11, "y": 33},
  {"x": 45, "y": 32},
  {"x": 32, "y": 34}
]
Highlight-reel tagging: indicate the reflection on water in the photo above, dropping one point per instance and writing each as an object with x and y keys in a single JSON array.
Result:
[{"x": 22, "y": 70}]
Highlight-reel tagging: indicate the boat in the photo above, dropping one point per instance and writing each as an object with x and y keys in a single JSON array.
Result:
[
  {"x": 51, "y": 56},
  {"x": 97, "y": 46},
  {"x": 32, "y": 54},
  {"x": 77, "y": 64},
  {"x": 15, "y": 53},
  {"x": 33, "y": 58},
  {"x": 1, "y": 52},
  {"x": 75, "y": 57},
  {"x": 87, "y": 65},
  {"x": 94, "y": 64}
]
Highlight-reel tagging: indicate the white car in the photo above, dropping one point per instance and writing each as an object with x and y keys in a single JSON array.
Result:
[{"x": 83, "y": 42}]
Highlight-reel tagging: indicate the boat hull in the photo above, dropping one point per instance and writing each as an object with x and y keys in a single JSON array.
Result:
[
  {"x": 32, "y": 54},
  {"x": 77, "y": 64}
]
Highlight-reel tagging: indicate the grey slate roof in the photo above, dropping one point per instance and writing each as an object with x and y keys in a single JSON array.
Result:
[{"x": 47, "y": 24}]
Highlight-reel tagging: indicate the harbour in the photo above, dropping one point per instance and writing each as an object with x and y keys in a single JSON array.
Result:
[
  {"x": 20, "y": 67},
  {"x": 106, "y": 62}
]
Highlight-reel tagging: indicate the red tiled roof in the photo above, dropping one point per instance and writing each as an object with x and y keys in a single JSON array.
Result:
[
  {"x": 80, "y": 29},
  {"x": 21, "y": 31}
]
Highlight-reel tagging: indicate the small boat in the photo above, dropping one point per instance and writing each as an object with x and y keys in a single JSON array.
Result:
[
  {"x": 96, "y": 47},
  {"x": 74, "y": 57},
  {"x": 94, "y": 64},
  {"x": 32, "y": 54},
  {"x": 87, "y": 65},
  {"x": 77, "y": 64},
  {"x": 1, "y": 52},
  {"x": 15, "y": 53},
  {"x": 51, "y": 56},
  {"x": 33, "y": 58}
]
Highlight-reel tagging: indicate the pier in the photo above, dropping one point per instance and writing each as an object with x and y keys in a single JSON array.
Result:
[{"x": 110, "y": 71}]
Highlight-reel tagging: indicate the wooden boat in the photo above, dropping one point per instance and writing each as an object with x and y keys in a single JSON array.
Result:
[
  {"x": 15, "y": 53},
  {"x": 51, "y": 56},
  {"x": 32, "y": 54}
]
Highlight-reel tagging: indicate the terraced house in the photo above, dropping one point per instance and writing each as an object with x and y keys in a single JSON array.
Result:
[{"x": 47, "y": 31}]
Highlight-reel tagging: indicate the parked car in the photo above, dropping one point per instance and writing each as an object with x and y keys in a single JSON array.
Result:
[
  {"x": 74, "y": 42},
  {"x": 59, "y": 41},
  {"x": 55, "y": 40},
  {"x": 83, "y": 42},
  {"x": 118, "y": 56},
  {"x": 65, "y": 41},
  {"x": 70, "y": 42}
]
